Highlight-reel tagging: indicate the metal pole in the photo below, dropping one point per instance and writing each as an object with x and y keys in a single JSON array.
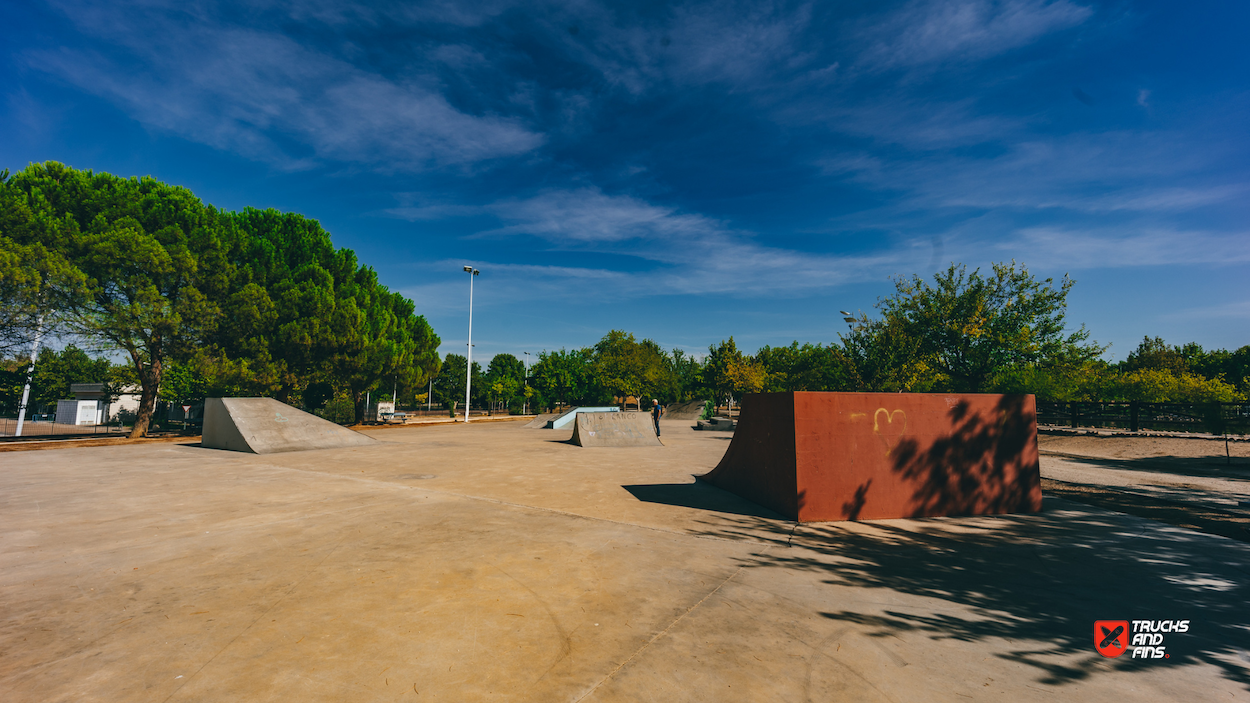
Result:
[
  {"x": 468, "y": 357},
  {"x": 30, "y": 375}
]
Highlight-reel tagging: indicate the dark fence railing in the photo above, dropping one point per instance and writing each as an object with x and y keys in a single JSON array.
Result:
[{"x": 1213, "y": 418}]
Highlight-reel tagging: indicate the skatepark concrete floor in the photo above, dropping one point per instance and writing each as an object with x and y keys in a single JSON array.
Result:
[{"x": 497, "y": 563}]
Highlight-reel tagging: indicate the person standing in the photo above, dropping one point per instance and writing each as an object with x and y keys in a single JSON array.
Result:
[{"x": 657, "y": 411}]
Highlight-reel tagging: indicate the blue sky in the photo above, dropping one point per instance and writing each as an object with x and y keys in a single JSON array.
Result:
[{"x": 684, "y": 171}]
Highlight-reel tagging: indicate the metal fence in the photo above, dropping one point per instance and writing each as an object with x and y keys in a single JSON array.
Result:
[
  {"x": 45, "y": 426},
  {"x": 1212, "y": 418}
]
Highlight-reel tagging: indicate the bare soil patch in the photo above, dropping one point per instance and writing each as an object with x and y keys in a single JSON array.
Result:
[{"x": 1121, "y": 447}]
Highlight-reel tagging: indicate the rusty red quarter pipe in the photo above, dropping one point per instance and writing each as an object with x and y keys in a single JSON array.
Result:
[{"x": 863, "y": 456}]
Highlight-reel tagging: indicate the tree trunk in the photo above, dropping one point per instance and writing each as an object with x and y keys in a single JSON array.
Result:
[
  {"x": 150, "y": 385},
  {"x": 359, "y": 402}
]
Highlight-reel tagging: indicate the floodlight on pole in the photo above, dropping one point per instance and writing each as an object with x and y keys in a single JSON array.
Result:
[
  {"x": 848, "y": 319},
  {"x": 468, "y": 357}
]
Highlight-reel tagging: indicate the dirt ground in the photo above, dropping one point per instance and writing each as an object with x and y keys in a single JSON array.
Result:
[
  {"x": 1121, "y": 447},
  {"x": 1187, "y": 482}
]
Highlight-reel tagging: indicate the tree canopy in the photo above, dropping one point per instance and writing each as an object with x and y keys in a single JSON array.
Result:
[{"x": 258, "y": 302}]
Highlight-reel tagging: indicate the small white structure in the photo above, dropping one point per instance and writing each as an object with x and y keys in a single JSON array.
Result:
[
  {"x": 90, "y": 407},
  {"x": 79, "y": 412}
]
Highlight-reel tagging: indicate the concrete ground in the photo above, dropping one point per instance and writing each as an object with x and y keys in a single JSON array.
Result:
[{"x": 493, "y": 562}]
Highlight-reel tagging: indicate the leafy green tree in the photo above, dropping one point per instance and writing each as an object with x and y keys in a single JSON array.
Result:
[
  {"x": 145, "y": 250},
  {"x": 970, "y": 327},
  {"x": 505, "y": 376},
  {"x": 811, "y": 367},
  {"x": 564, "y": 377},
  {"x": 449, "y": 384},
  {"x": 626, "y": 367},
  {"x": 882, "y": 357},
  {"x": 1233, "y": 367},
  {"x": 718, "y": 369},
  {"x": 378, "y": 337},
  {"x": 286, "y": 283},
  {"x": 55, "y": 372},
  {"x": 687, "y": 377},
  {"x": 36, "y": 280},
  {"x": 1155, "y": 354}
]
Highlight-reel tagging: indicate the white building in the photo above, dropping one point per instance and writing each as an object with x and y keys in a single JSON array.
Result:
[{"x": 90, "y": 407}]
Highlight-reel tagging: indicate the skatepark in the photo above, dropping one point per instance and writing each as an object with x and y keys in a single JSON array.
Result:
[{"x": 496, "y": 561}]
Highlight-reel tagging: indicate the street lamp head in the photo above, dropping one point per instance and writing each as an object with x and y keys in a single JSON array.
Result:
[
  {"x": 476, "y": 272},
  {"x": 468, "y": 268}
]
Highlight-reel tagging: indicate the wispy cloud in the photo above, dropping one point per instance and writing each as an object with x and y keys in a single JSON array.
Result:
[
  {"x": 1072, "y": 248},
  {"x": 688, "y": 252},
  {"x": 1236, "y": 310},
  {"x": 268, "y": 97},
  {"x": 933, "y": 31}
]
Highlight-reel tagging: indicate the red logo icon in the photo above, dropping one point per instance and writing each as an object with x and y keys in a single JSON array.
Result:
[{"x": 1111, "y": 637}]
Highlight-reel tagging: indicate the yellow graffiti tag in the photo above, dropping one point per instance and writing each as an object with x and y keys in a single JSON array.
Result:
[{"x": 893, "y": 433}]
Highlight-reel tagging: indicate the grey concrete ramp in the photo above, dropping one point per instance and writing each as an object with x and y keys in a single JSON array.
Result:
[
  {"x": 685, "y": 411},
  {"x": 615, "y": 430},
  {"x": 267, "y": 426},
  {"x": 566, "y": 419},
  {"x": 542, "y": 420}
]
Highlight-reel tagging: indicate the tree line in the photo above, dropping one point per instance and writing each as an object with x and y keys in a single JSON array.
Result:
[
  {"x": 204, "y": 302},
  {"x": 1003, "y": 331},
  {"x": 199, "y": 301}
]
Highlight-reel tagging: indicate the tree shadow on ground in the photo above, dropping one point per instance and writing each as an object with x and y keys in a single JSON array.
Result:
[
  {"x": 1033, "y": 584},
  {"x": 1202, "y": 467},
  {"x": 700, "y": 496}
]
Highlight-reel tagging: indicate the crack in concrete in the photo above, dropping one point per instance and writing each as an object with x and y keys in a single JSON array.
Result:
[{"x": 659, "y": 634}]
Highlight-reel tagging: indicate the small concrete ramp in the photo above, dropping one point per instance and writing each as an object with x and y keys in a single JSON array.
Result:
[
  {"x": 615, "y": 430},
  {"x": 685, "y": 411},
  {"x": 542, "y": 420},
  {"x": 566, "y": 419},
  {"x": 267, "y": 426}
]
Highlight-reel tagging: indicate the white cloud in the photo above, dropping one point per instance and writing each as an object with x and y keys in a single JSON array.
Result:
[
  {"x": 932, "y": 31},
  {"x": 254, "y": 91},
  {"x": 688, "y": 253},
  {"x": 1070, "y": 248},
  {"x": 1238, "y": 310}
]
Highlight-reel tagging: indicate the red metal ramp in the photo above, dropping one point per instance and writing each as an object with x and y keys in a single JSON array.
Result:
[{"x": 862, "y": 456}]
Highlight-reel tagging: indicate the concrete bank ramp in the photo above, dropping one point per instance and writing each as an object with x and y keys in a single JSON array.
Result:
[
  {"x": 267, "y": 426},
  {"x": 615, "y": 430},
  {"x": 566, "y": 419},
  {"x": 685, "y": 411},
  {"x": 542, "y": 420}
]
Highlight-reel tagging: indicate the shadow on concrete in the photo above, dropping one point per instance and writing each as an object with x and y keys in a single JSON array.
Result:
[
  {"x": 1033, "y": 585},
  {"x": 700, "y": 496}
]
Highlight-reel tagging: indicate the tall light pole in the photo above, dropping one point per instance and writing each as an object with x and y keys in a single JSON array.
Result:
[
  {"x": 526, "y": 409},
  {"x": 468, "y": 371}
]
